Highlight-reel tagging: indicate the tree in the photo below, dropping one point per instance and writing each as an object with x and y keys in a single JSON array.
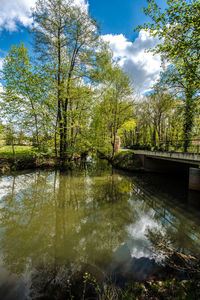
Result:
[
  {"x": 2, "y": 133},
  {"x": 10, "y": 137},
  {"x": 21, "y": 88},
  {"x": 178, "y": 28},
  {"x": 180, "y": 85},
  {"x": 163, "y": 116},
  {"x": 66, "y": 35},
  {"x": 162, "y": 104},
  {"x": 126, "y": 131},
  {"x": 114, "y": 109}
]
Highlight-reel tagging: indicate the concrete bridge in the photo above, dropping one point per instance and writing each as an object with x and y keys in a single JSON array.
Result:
[{"x": 180, "y": 163}]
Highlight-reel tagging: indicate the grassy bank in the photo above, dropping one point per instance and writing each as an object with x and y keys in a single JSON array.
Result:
[
  {"x": 28, "y": 157},
  {"x": 25, "y": 157},
  {"x": 6, "y": 152}
]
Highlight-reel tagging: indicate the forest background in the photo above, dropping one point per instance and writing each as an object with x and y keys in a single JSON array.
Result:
[{"x": 70, "y": 97}]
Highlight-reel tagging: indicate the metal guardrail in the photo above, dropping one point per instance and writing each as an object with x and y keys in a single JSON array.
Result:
[
  {"x": 183, "y": 146},
  {"x": 189, "y": 146}
]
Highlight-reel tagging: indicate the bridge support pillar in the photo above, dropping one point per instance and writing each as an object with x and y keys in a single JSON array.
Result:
[{"x": 194, "y": 179}]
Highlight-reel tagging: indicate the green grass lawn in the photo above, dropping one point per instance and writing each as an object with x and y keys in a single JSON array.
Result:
[{"x": 20, "y": 151}]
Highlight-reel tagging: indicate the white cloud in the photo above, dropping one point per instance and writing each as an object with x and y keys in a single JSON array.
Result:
[
  {"x": 1, "y": 91},
  {"x": 142, "y": 66},
  {"x": 14, "y": 11},
  {"x": 82, "y": 3},
  {"x": 1, "y": 63}
]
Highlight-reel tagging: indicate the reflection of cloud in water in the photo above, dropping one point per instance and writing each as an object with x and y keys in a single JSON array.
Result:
[
  {"x": 5, "y": 185},
  {"x": 18, "y": 183},
  {"x": 137, "y": 241}
]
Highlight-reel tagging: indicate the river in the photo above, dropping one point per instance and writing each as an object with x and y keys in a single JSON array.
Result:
[{"x": 56, "y": 225}]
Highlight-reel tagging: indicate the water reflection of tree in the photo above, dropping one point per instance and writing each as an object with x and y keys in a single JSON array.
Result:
[
  {"x": 93, "y": 217},
  {"x": 61, "y": 218},
  {"x": 22, "y": 223},
  {"x": 176, "y": 237}
]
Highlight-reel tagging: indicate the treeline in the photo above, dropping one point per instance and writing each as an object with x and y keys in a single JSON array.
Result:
[
  {"x": 178, "y": 29},
  {"x": 160, "y": 124},
  {"x": 69, "y": 96}
]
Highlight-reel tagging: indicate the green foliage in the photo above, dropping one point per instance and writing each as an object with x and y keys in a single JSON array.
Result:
[
  {"x": 178, "y": 29},
  {"x": 178, "y": 26},
  {"x": 50, "y": 96},
  {"x": 22, "y": 94},
  {"x": 77, "y": 55},
  {"x": 158, "y": 117},
  {"x": 127, "y": 126},
  {"x": 126, "y": 131},
  {"x": 127, "y": 160},
  {"x": 114, "y": 108},
  {"x": 70, "y": 96}
]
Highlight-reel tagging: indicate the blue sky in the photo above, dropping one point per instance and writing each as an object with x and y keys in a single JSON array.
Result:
[
  {"x": 117, "y": 19},
  {"x": 120, "y": 16}
]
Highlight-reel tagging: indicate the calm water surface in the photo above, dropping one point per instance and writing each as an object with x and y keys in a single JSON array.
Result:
[{"x": 97, "y": 220}]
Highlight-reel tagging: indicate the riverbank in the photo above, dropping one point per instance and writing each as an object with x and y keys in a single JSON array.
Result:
[
  {"x": 24, "y": 158},
  {"x": 8, "y": 165},
  {"x": 178, "y": 279},
  {"x": 128, "y": 161},
  {"x": 177, "y": 276},
  {"x": 27, "y": 157}
]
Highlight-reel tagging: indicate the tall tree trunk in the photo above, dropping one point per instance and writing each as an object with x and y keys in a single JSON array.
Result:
[
  {"x": 13, "y": 149},
  {"x": 114, "y": 130},
  {"x": 72, "y": 123},
  {"x": 55, "y": 138},
  {"x": 188, "y": 120},
  {"x": 59, "y": 115},
  {"x": 36, "y": 122},
  {"x": 159, "y": 129},
  {"x": 37, "y": 131},
  {"x": 154, "y": 136},
  {"x": 65, "y": 129}
]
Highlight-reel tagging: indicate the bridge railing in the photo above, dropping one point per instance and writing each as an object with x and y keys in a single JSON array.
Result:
[
  {"x": 183, "y": 146},
  {"x": 189, "y": 146}
]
